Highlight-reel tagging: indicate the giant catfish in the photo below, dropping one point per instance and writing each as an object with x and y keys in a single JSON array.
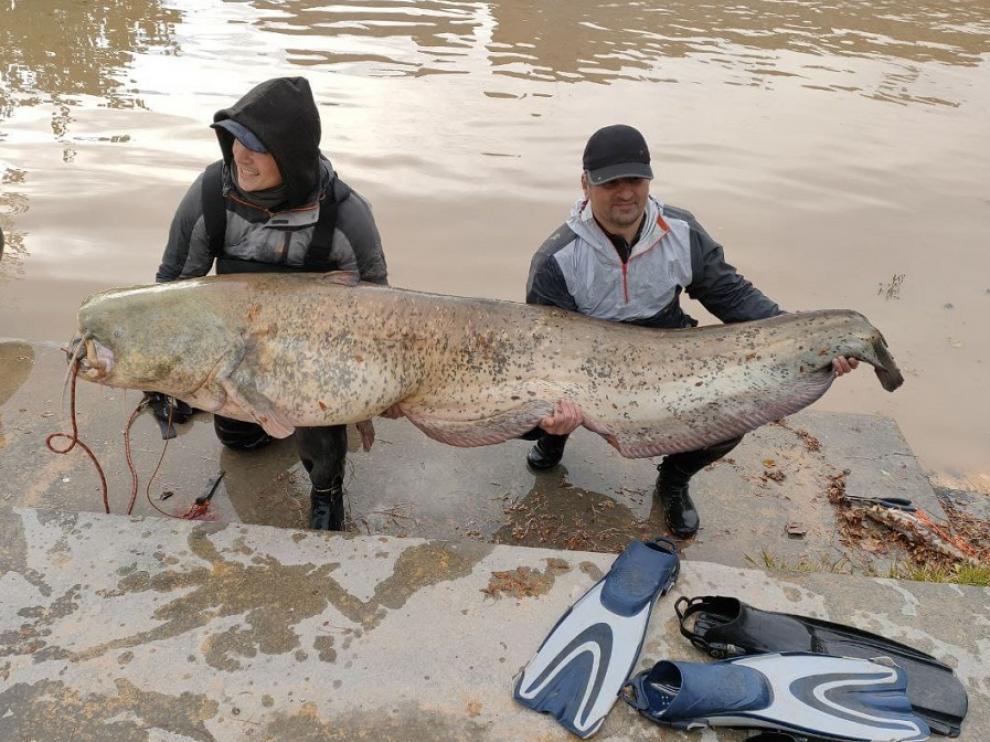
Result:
[{"x": 290, "y": 350}]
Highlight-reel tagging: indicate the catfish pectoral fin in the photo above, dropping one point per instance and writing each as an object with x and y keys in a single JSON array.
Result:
[
  {"x": 208, "y": 398},
  {"x": 498, "y": 428},
  {"x": 275, "y": 426},
  {"x": 259, "y": 408}
]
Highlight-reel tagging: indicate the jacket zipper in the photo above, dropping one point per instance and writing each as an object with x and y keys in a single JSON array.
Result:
[{"x": 625, "y": 265}]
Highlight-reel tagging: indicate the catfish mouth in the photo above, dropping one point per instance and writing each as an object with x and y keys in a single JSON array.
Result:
[
  {"x": 95, "y": 360},
  {"x": 886, "y": 368}
]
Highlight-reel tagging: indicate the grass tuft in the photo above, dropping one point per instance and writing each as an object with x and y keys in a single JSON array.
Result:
[{"x": 960, "y": 574}]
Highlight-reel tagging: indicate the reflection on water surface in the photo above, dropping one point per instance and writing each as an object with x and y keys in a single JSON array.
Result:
[
  {"x": 51, "y": 51},
  {"x": 589, "y": 41},
  {"x": 829, "y": 146}
]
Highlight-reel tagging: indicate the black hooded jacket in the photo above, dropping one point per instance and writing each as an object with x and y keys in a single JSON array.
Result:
[{"x": 283, "y": 115}]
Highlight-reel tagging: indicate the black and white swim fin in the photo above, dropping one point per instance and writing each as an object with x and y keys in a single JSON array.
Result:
[
  {"x": 804, "y": 694},
  {"x": 588, "y": 656},
  {"x": 727, "y": 627}
]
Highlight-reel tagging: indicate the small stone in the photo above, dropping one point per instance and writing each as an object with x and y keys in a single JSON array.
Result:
[{"x": 949, "y": 305}]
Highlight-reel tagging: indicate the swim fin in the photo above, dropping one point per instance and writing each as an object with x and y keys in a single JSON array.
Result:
[
  {"x": 727, "y": 627},
  {"x": 588, "y": 656},
  {"x": 805, "y": 694}
]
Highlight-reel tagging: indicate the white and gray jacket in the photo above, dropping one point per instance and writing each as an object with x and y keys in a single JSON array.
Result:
[{"x": 578, "y": 268}]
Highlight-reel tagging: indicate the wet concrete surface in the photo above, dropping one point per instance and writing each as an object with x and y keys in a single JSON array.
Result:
[
  {"x": 764, "y": 504},
  {"x": 116, "y": 628}
]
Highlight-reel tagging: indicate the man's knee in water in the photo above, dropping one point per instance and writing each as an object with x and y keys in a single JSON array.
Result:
[{"x": 239, "y": 435}]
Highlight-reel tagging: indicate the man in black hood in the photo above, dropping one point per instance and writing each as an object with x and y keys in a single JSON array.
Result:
[{"x": 274, "y": 203}]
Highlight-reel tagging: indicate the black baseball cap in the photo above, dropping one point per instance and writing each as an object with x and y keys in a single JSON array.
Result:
[
  {"x": 617, "y": 151},
  {"x": 243, "y": 134}
]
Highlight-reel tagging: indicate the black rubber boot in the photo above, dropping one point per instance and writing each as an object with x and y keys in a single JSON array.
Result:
[
  {"x": 322, "y": 451},
  {"x": 326, "y": 509},
  {"x": 547, "y": 452},
  {"x": 675, "y": 472},
  {"x": 679, "y": 512}
]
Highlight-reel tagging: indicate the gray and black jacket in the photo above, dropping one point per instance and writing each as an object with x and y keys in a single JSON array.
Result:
[
  {"x": 578, "y": 268},
  {"x": 283, "y": 115},
  {"x": 277, "y": 239}
]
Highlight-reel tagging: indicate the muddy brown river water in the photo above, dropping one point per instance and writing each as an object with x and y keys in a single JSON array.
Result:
[{"x": 839, "y": 150}]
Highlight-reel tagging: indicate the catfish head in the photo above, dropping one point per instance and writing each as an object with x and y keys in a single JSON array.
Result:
[{"x": 165, "y": 338}]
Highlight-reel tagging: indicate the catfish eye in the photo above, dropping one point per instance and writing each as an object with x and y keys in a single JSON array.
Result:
[{"x": 118, "y": 332}]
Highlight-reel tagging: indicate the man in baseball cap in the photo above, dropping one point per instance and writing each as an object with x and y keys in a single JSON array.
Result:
[
  {"x": 624, "y": 255},
  {"x": 614, "y": 152}
]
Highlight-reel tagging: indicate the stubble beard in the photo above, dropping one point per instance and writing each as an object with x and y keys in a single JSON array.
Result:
[{"x": 626, "y": 219}]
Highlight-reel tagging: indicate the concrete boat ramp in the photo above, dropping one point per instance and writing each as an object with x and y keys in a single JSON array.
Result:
[
  {"x": 121, "y": 628},
  {"x": 412, "y": 625}
]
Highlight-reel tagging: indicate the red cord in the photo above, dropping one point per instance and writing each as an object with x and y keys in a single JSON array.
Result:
[
  {"x": 74, "y": 440},
  {"x": 195, "y": 512}
]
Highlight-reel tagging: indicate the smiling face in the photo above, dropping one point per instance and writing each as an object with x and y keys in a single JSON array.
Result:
[
  {"x": 618, "y": 205},
  {"x": 255, "y": 171}
]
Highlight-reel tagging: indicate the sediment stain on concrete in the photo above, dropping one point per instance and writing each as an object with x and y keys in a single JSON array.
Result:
[
  {"x": 397, "y": 724},
  {"x": 324, "y": 646},
  {"x": 14, "y": 551},
  {"x": 592, "y": 570},
  {"x": 63, "y": 519},
  {"x": 273, "y": 597},
  {"x": 218, "y": 649},
  {"x": 28, "y": 638},
  {"x": 417, "y": 567},
  {"x": 792, "y": 593},
  {"x": 51, "y": 710},
  {"x": 525, "y": 582}
]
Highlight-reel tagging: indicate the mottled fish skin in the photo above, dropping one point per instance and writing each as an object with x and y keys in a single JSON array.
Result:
[{"x": 290, "y": 350}]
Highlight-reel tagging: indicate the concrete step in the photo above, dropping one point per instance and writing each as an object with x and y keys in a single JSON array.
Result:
[{"x": 116, "y": 628}]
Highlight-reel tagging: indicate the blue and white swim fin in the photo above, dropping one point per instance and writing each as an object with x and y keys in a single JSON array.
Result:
[
  {"x": 583, "y": 663},
  {"x": 801, "y": 693}
]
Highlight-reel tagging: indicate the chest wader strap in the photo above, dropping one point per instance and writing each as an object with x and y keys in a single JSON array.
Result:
[
  {"x": 317, "y": 258},
  {"x": 214, "y": 208},
  {"x": 318, "y": 254}
]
